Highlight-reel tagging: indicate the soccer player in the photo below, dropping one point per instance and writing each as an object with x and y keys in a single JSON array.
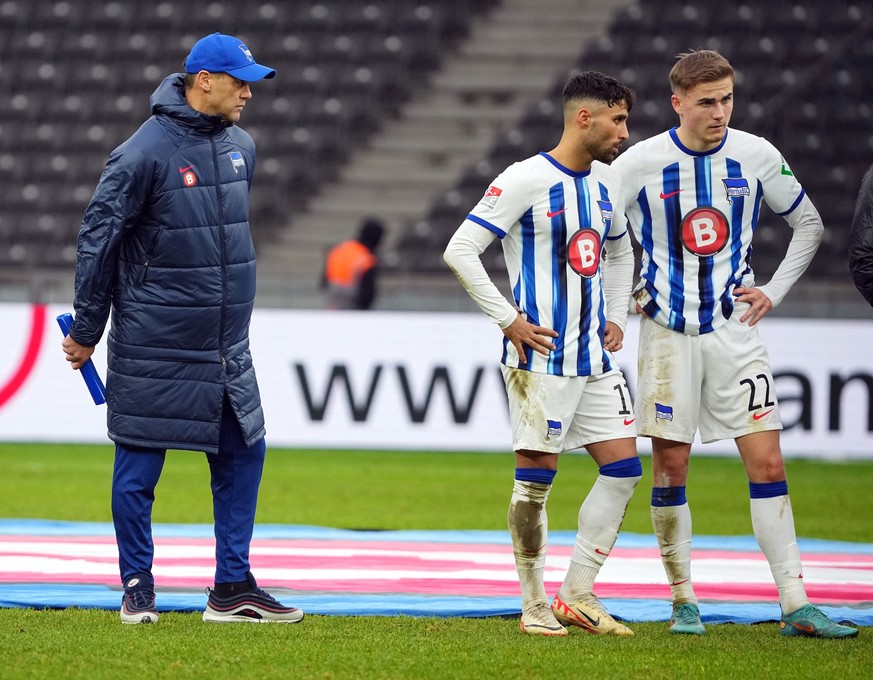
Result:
[
  {"x": 555, "y": 214},
  {"x": 693, "y": 199}
]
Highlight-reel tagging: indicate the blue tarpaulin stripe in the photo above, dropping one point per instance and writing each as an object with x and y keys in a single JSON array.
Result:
[{"x": 62, "y": 596}]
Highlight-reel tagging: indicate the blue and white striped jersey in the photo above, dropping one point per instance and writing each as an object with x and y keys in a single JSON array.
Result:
[
  {"x": 694, "y": 215},
  {"x": 553, "y": 224}
]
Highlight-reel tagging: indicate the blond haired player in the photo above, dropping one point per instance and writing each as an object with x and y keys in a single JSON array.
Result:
[{"x": 694, "y": 196}]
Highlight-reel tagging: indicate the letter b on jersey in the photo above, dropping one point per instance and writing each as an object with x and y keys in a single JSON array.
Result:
[
  {"x": 704, "y": 231},
  {"x": 583, "y": 252}
]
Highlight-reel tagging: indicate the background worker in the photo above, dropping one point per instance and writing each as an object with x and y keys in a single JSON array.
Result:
[{"x": 351, "y": 269}]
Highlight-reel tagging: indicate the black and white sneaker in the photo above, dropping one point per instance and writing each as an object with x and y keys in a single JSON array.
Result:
[
  {"x": 138, "y": 602},
  {"x": 251, "y": 606}
]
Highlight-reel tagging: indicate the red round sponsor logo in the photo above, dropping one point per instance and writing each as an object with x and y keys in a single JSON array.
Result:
[
  {"x": 189, "y": 178},
  {"x": 583, "y": 252},
  {"x": 704, "y": 231}
]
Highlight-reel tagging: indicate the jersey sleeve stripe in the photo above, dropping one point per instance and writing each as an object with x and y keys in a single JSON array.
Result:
[
  {"x": 485, "y": 223},
  {"x": 795, "y": 204}
]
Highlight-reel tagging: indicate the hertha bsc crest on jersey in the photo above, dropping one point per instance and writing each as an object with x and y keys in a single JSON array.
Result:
[
  {"x": 606, "y": 213},
  {"x": 735, "y": 187}
]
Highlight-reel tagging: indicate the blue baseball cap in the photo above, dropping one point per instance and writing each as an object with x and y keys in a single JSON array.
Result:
[{"x": 218, "y": 53}]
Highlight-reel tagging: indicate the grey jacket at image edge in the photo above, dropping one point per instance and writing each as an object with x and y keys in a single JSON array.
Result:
[{"x": 861, "y": 239}]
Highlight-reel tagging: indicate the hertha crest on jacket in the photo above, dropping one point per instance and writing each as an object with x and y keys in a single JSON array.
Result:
[{"x": 236, "y": 161}]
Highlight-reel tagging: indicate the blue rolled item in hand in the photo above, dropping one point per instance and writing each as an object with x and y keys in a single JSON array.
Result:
[{"x": 88, "y": 370}]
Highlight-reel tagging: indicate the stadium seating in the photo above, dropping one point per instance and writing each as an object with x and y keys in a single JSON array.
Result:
[
  {"x": 803, "y": 81},
  {"x": 80, "y": 73}
]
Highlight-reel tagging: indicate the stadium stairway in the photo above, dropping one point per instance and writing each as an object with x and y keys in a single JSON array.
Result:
[{"x": 509, "y": 59}]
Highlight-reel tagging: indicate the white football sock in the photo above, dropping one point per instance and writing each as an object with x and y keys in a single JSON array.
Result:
[
  {"x": 600, "y": 519},
  {"x": 672, "y": 525},
  {"x": 529, "y": 528},
  {"x": 773, "y": 524}
]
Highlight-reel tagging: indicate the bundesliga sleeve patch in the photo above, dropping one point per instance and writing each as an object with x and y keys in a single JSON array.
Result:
[{"x": 489, "y": 200}]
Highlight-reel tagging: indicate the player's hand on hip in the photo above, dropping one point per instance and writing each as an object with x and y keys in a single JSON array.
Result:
[
  {"x": 75, "y": 353},
  {"x": 613, "y": 337},
  {"x": 759, "y": 304},
  {"x": 522, "y": 333}
]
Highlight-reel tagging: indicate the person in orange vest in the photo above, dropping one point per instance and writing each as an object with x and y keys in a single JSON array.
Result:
[{"x": 351, "y": 268}]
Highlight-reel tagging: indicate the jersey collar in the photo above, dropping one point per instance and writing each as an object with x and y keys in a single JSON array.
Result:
[
  {"x": 564, "y": 169},
  {"x": 685, "y": 149}
]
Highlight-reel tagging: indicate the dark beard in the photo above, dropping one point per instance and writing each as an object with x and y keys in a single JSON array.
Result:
[{"x": 606, "y": 155}]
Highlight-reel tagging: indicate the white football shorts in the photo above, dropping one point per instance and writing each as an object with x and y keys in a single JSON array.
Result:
[
  {"x": 718, "y": 382},
  {"x": 555, "y": 413}
]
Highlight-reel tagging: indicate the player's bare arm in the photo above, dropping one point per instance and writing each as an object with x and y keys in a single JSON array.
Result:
[
  {"x": 759, "y": 304},
  {"x": 75, "y": 353},
  {"x": 613, "y": 337},
  {"x": 522, "y": 333}
]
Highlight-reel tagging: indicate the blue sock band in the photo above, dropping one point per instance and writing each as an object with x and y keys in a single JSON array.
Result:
[
  {"x": 538, "y": 475},
  {"x": 665, "y": 496},
  {"x": 768, "y": 489},
  {"x": 629, "y": 467}
]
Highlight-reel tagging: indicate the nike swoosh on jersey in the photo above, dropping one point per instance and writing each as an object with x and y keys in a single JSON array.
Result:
[
  {"x": 758, "y": 416},
  {"x": 555, "y": 213},
  {"x": 666, "y": 196},
  {"x": 628, "y": 422},
  {"x": 186, "y": 169}
]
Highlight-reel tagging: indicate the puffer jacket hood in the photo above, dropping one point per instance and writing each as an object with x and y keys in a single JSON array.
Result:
[
  {"x": 165, "y": 247},
  {"x": 168, "y": 99}
]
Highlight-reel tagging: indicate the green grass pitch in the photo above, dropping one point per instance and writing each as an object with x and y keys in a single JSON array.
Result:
[{"x": 410, "y": 490}]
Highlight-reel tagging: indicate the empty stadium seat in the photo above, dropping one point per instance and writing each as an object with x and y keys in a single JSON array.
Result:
[
  {"x": 803, "y": 82},
  {"x": 80, "y": 74}
]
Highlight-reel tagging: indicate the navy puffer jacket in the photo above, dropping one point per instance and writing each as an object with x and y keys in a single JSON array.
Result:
[
  {"x": 861, "y": 239},
  {"x": 165, "y": 244}
]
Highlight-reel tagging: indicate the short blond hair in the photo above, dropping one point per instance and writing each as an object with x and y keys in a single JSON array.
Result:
[{"x": 699, "y": 66}]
